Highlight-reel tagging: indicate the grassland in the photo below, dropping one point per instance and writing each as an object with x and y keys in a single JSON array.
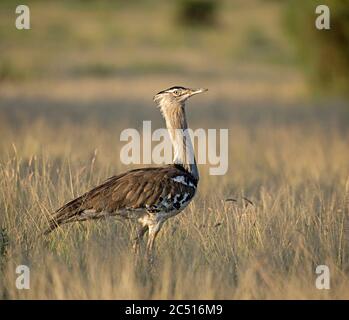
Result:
[
  {"x": 63, "y": 105},
  {"x": 294, "y": 172}
]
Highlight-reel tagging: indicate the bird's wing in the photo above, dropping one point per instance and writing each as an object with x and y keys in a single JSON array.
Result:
[{"x": 136, "y": 189}]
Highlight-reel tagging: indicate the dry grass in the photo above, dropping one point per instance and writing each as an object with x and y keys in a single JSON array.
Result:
[
  {"x": 291, "y": 162},
  {"x": 84, "y": 72}
]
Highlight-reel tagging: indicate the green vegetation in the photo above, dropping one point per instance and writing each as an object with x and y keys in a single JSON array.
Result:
[
  {"x": 198, "y": 12},
  {"x": 324, "y": 53},
  {"x": 3, "y": 243},
  {"x": 102, "y": 37}
]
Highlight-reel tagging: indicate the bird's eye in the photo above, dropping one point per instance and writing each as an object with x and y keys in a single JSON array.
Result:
[{"x": 176, "y": 92}]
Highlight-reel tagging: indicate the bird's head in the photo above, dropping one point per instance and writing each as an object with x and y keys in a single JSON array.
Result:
[{"x": 175, "y": 96}]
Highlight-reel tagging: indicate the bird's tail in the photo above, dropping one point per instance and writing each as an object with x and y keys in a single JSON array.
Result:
[
  {"x": 53, "y": 224},
  {"x": 67, "y": 213}
]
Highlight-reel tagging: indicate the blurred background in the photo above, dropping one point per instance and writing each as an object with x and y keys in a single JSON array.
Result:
[
  {"x": 106, "y": 59},
  {"x": 246, "y": 50},
  {"x": 88, "y": 69},
  {"x": 99, "y": 63}
]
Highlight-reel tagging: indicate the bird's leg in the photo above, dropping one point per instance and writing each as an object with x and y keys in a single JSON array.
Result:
[
  {"x": 153, "y": 231},
  {"x": 136, "y": 242}
]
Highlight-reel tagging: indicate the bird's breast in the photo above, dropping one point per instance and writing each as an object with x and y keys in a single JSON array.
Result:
[{"x": 175, "y": 198}]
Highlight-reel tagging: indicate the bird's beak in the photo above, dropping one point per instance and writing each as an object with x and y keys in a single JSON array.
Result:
[{"x": 196, "y": 91}]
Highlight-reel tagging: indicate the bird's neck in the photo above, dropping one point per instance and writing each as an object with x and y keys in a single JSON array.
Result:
[{"x": 184, "y": 154}]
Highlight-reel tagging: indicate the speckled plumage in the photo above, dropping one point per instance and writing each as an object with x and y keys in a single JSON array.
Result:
[
  {"x": 148, "y": 196},
  {"x": 149, "y": 191}
]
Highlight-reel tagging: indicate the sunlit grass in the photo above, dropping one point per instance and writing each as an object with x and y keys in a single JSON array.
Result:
[
  {"x": 85, "y": 72},
  {"x": 294, "y": 173}
]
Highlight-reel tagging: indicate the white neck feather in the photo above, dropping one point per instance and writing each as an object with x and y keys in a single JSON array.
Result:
[{"x": 177, "y": 126}]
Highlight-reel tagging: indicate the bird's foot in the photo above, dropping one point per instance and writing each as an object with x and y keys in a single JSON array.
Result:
[
  {"x": 135, "y": 247},
  {"x": 150, "y": 257},
  {"x": 150, "y": 261}
]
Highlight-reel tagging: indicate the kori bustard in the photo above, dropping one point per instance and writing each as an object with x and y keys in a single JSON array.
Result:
[{"x": 149, "y": 195}]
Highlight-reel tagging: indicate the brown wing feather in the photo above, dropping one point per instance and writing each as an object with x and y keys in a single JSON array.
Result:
[{"x": 135, "y": 189}]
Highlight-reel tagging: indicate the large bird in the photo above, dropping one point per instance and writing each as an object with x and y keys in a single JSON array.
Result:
[{"x": 151, "y": 195}]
